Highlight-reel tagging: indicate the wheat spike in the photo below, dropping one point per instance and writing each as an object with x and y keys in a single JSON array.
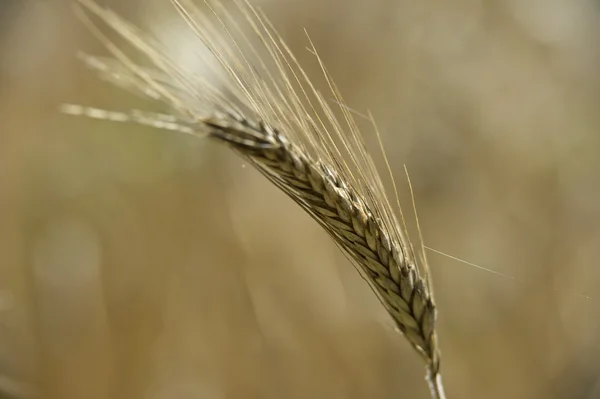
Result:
[{"x": 268, "y": 111}]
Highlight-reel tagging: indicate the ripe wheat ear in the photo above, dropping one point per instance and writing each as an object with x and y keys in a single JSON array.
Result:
[{"x": 267, "y": 110}]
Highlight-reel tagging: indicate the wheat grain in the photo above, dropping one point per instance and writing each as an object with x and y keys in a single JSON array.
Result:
[{"x": 270, "y": 113}]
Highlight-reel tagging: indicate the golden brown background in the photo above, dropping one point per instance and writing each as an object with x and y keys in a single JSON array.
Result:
[{"x": 141, "y": 264}]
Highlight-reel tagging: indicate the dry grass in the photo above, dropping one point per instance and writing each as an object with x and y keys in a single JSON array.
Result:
[{"x": 278, "y": 121}]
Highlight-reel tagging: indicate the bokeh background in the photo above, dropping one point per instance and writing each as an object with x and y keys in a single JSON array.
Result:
[{"x": 136, "y": 263}]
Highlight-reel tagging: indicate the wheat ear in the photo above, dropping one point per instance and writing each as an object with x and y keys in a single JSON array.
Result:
[
  {"x": 338, "y": 208},
  {"x": 270, "y": 113}
]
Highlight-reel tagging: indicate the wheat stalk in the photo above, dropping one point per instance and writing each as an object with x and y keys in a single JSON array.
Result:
[{"x": 270, "y": 113}]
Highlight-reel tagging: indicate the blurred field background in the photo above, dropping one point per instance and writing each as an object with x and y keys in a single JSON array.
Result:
[{"x": 141, "y": 264}]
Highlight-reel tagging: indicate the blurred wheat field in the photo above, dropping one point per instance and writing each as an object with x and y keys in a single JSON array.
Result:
[{"x": 140, "y": 264}]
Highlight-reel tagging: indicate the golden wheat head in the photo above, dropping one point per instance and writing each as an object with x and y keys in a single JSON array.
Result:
[{"x": 266, "y": 109}]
